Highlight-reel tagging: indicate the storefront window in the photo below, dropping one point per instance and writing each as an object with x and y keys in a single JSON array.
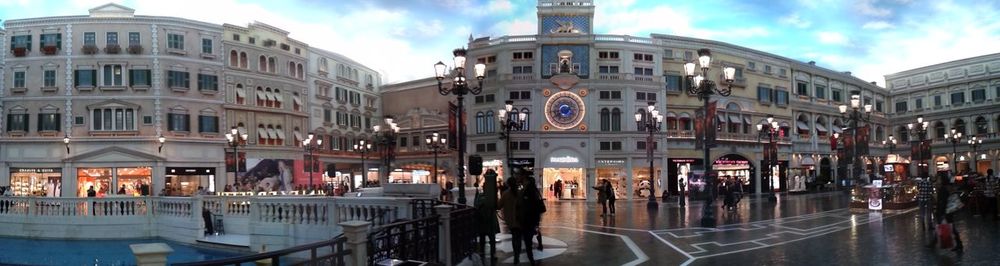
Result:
[
  {"x": 734, "y": 167},
  {"x": 180, "y": 181},
  {"x": 40, "y": 182},
  {"x": 642, "y": 185},
  {"x": 177, "y": 185},
  {"x": 133, "y": 179},
  {"x": 573, "y": 180},
  {"x": 97, "y": 178},
  {"x": 617, "y": 176}
]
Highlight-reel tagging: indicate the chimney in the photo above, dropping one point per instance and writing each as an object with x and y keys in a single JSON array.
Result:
[
  {"x": 873, "y": 83},
  {"x": 847, "y": 72},
  {"x": 813, "y": 63}
]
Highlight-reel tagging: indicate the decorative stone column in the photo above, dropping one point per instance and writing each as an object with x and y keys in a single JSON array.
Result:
[
  {"x": 357, "y": 241},
  {"x": 151, "y": 254}
]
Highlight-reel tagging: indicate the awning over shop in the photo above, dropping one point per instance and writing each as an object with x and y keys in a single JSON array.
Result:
[
  {"x": 802, "y": 125},
  {"x": 262, "y": 132},
  {"x": 281, "y": 133},
  {"x": 837, "y": 129},
  {"x": 820, "y": 128}
]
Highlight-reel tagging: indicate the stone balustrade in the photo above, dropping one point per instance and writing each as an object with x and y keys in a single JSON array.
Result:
[{"x": 271, "y": 221}]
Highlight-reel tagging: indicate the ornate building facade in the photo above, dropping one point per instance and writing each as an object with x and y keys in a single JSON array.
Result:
[
  {"x": 89, "y": 98},
  {"x": 962, "y": 95}
]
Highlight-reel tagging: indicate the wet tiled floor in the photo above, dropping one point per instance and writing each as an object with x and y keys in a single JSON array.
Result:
[{"x": 812, "y": 229}]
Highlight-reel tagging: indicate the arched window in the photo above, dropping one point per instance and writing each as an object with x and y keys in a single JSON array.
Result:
[
  {"x": 527, "y": 118},
  {"x": 939, "y": 130},
  {"x": 234, "y": 59},
  {"x": 281, "y": 135},
  {"x": 605, "y": 119},
  {"x": 241, "y": 94},
  {"x": 272, "y": 65},
  {"x": 785, "y": 129},
  {"x": 671, "y": 120},
  {"x": 262, "y": 135},
  {"x": 298, "y": 70},
  {"x": 243, "y": 60},
  {"x": 323, "y": 65},
  {"x": 262, "y": 64},
  {"x": 272, "y": 135},
  {"x": 490, "y": 122},
  {"x": 270, "y": 97},
  {"x": 480, "y": 124},
  {"x": 960, "y": 126},
  {"x": 616, "y": 119},
  {"x": 879, "y": 134},
  {"x": 982, "y": 127},
  {"x": 685, "y": 121},
  {"x": 512, "y": 116},
  {"x": 642, "y": 115},
  {"x": 261, "y": 96},
  {"x": 802, "y": 124},
  {"x": 821, "y": 126},
  {"x": 902, "y": 135},
  {"x": 278, "y": 98},
  {"x": 291, "y": 69}
]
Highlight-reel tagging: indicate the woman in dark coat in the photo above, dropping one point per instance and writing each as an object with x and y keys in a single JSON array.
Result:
[
  {"x": 508, "y": 205},
  {"x": 945, "y": 190},
  {"x": 529, "y": 213}
]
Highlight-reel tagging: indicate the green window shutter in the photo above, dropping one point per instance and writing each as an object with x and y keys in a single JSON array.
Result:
[
  {"x": 170, "y": 122},
  {"x": 58, "y": 124},
  {"x": 131, "y": 77},
  {"x": 93, "y": 77},
  {"x": 11, "y": 48},
  {"x": 76, "y": 78},
  {"x": 29, "y": 43},
  {"x": 39, "y": 126},
  {"x": 9, "y": 116},
  {"x": 59, "y": 41}
]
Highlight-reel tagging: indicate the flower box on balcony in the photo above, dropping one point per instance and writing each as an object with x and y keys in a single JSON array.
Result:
[
  {"x": 89, "y": 49},
  {"x": 20, "y": 51},
  {"x": 135, "y": 49},
  {"x": 50, "y": 49},
  {"x": 112, "y": 49}
]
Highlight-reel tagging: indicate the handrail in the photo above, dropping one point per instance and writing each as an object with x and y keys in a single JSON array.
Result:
[{"x": 275, "y": 255}]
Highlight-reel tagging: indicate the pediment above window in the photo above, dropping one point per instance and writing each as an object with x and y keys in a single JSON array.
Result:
[{"x": 113, "y": 103}]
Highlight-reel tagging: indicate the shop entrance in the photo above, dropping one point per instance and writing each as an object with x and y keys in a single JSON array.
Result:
[
  {"x": 735, "y": 167},
  {"x": 184, "y": 181},
  {"x": 825, "y": 169},
  {"x": 574, "y": 182},
  {"x": 37, "y": 182},
  {"x": 614, "y": 174},
  {"x": 679, "y": 173},
  {"x": 111, "y": 180}
]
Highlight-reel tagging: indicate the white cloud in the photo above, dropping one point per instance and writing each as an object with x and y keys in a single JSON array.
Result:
[
  {"x": 877, "y": 25},
  {"x": 830, "y": 37},
  {"x": 795, "y": 20},
  {"x": 500, "y": 6},
  {"x": 867, "y": 7}
]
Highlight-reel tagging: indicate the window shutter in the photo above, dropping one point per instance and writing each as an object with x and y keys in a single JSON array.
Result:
[
  {"x": 170, "y": 122},
  {"x": 9, "y": 116},
  {"x": 187, "y": 122},
  {"x": 57, "y": 124},
  {"x": 11, "y": 48},
  {"x": 39, "y": 126},
  {"x": 59, "y": 40},
  {"x": 76, "y": 78},
  {"x": 131, "y": 77},
  {"x": 93, "y": 76}
]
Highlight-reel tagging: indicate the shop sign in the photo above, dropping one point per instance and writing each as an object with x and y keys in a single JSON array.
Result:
[
  {"x": 731, "y": 162},
  {"x": 190, "y": 170},
  {"x": 610, "y": 162},
  {"x": 36, "y": 170},
  {"x": 683, "y": 160},
  {"x": 525, "y": 162},
  {"x": 492, "y": 163},
  {"x": 564, "y": 159}
]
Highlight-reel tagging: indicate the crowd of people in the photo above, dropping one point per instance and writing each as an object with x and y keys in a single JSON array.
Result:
[{"x": 520, "y": 207}]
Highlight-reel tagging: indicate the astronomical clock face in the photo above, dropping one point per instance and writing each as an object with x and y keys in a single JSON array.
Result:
[{"x": 564, "y": 110}]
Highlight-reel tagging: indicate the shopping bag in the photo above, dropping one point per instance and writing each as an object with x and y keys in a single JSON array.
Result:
[
  {"x": 954, "y": 203},
  {"x": 945, "y": 239}
]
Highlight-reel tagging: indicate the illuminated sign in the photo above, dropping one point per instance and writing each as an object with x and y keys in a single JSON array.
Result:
[
  {"x": 564, "y": 159},
  {"x": 492, "y": 163},
  {"x": 35, "y": 170}
]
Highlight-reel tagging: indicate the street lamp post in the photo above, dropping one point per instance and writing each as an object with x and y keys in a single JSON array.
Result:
[
  {"x": 66, "y": 142},
  {"x": 161, "y": 139},
  {"x": 235, "y": 140},
  {"x": 771, "y": 130},
  {"x": 920, "y": 131},
  {"x": 311, "y": 146},
  {"x": 854, "y": 118},
  {"x": 460, "y": 87},
  {"x": 385, "y": 137},
  {"x": 509, "y": 124},
  {"x": 363, "y": 147},
  {"x": 436, "y": 143},
  {"x": 652, "y": 122},
  {"x": 974, "y": 143},
  {"x": 954, "y": 138},
  {"x": 703, "y": 87},
  {"x": 890, "y": 143}
]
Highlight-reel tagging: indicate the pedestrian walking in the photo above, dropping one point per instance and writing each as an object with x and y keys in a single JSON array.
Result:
[
  {"x": 557, "y": 189},
  {"x": 602, "y": 197},
  {"x": 945, "y": 211},
  {"x": 609, "y": 193},
  {"x": 925, "y": 191},
  {"x": 990, "y": 195},
  {"x": 530, "y": 208},
  {"x": 508, "y": 209},
  {"x": 683, "y": 194},
  {"x": 486, "y": 215}
]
